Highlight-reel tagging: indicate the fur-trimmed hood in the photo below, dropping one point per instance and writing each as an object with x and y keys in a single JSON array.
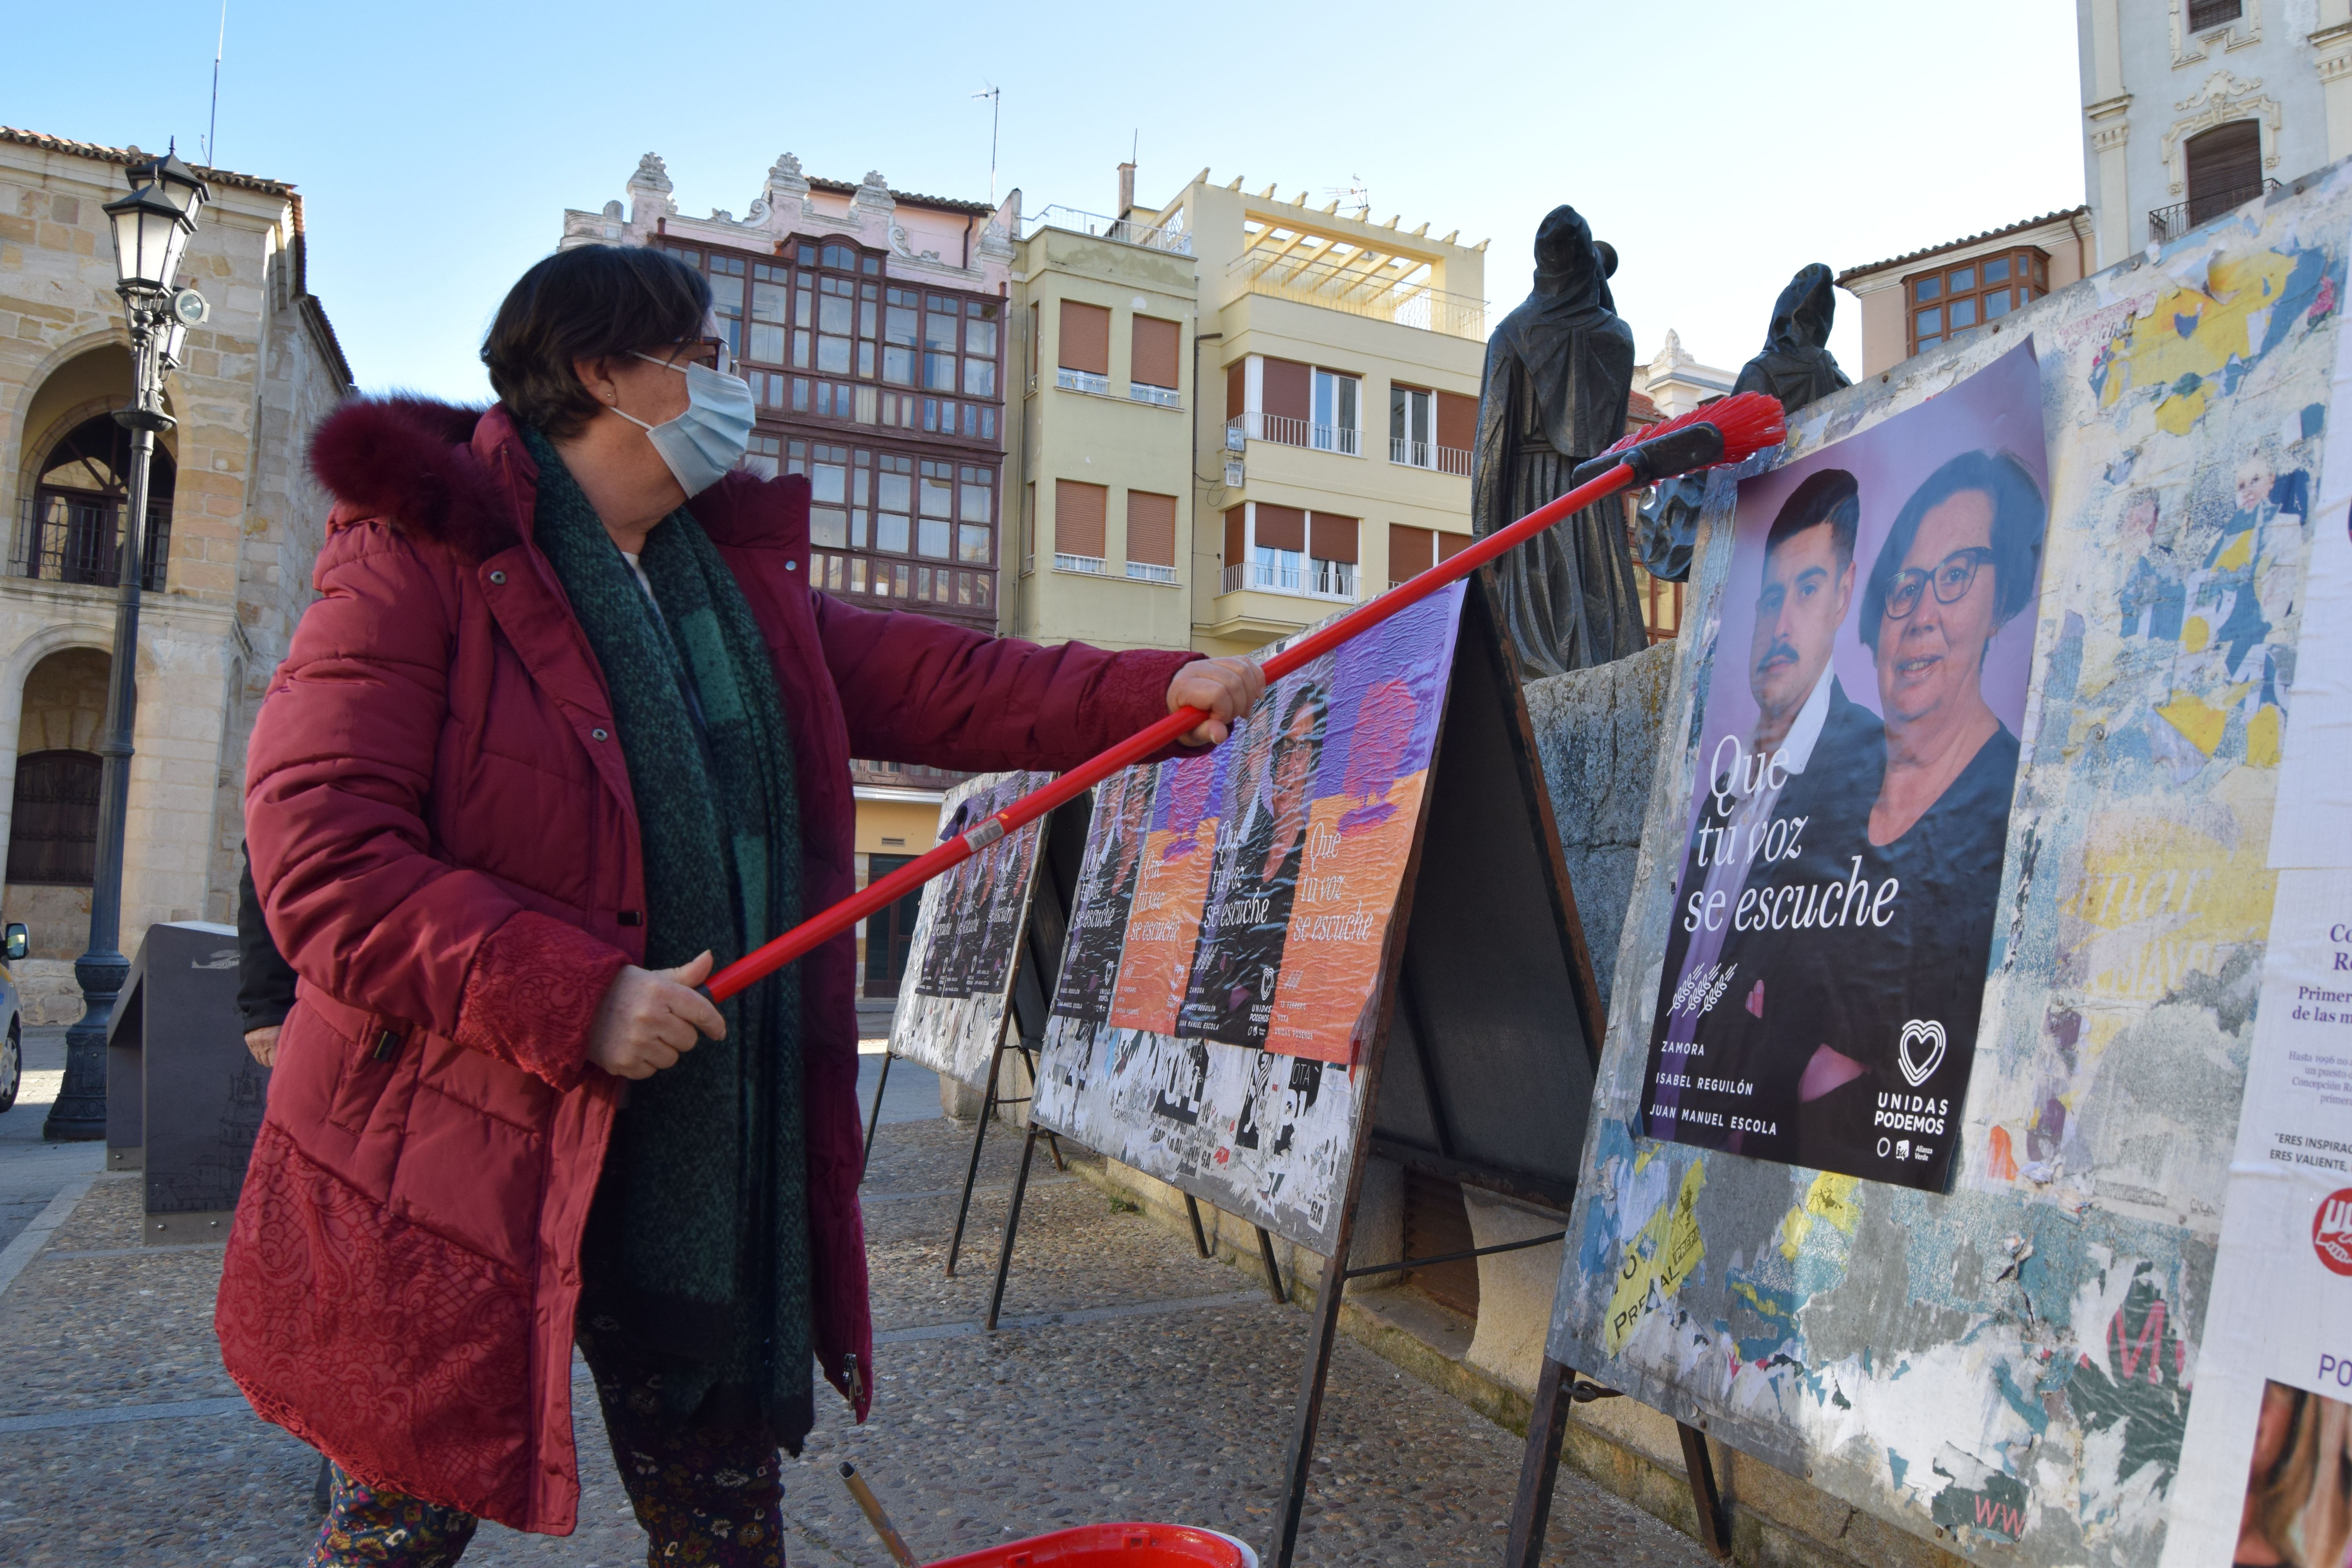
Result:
[
  {"x": 461, "y": 476},
  {"x": 423, "y": 466}
]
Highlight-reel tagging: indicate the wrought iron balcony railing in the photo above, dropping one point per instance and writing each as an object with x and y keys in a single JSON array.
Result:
[
  {"x": 2166, "y": 225},
  {"x": 65, "y": 539}
]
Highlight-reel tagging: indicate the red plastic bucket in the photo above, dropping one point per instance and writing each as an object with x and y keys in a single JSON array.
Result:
[{"x": 1114, "y": 1546}]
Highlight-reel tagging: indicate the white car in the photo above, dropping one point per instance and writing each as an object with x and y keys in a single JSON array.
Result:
[{"x": 15, "y": 942}]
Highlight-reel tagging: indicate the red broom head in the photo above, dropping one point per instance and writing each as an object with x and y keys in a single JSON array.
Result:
[
  {"x": 1747, "y": 421},
  {"x": 1750, "y": 421}
]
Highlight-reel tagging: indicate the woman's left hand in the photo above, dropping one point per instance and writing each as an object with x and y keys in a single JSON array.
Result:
[{"x": 1223, "y": 689}]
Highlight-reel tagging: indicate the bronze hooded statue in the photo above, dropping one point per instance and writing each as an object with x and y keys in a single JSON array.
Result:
[
  {"x": 1559, "y": 370},
  {"x": 1796, "y": 367}
]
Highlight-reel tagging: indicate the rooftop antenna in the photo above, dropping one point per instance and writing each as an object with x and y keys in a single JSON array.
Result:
[
  {"x": 995, "y": 96},
  {"x": 212, "y": 162},
  {"x": 1354, "y": 195}
]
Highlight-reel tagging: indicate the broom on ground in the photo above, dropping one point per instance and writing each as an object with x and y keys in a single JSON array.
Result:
[{"x": 1729, "y": 431}]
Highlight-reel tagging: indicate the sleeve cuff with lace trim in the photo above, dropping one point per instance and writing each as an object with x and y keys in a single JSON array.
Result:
[{"x": 532, "y": 993}]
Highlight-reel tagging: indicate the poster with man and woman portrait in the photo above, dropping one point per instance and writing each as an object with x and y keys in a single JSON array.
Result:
[{"x": 1834, "y": 912}]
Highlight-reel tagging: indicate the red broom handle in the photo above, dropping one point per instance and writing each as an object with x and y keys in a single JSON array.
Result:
[{"x": 806, "y": 936}]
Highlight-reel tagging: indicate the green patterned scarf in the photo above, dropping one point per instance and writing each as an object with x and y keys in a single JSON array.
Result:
[{"x": 699, "y": 1240}]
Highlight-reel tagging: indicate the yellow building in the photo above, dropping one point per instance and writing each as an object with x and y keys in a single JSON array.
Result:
[{"x": 1238, "y": 413}]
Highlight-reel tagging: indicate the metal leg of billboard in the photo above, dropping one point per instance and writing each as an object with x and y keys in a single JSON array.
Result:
[
  {"x": 979, "y": 1136},
  {"x": 874, "y": 1118},
  {"x": 1012, "y": 1227},
  {"x": 1557, "y": 1389}
]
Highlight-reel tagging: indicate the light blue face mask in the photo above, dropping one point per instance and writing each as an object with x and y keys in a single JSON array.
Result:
[{"x": 702, "y": 445}]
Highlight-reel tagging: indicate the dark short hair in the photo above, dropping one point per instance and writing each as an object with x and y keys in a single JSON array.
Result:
[
  {"x": 2019, "y": 517},
  {"x": 1828, "y": 496},
  {"x": 592, "y": 302}
]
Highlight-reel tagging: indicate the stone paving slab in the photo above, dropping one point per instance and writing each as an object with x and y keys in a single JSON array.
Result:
[
  {"x": 1178, "y": 1411},
  {"x": 31, "y": 1171}
]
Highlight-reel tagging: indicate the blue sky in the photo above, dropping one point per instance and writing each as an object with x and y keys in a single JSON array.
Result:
[{"x": 1718, "y": 146}]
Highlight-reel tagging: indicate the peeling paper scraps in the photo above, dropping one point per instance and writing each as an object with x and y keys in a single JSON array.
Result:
[
  {"x": 1960, "y": 1423},
  {"x": 1657, "y": 1261},
  {"x": 1832, "y": 1198}
]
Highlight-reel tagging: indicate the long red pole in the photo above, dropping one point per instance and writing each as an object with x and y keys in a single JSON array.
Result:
[{"x": 879, "y": 895}]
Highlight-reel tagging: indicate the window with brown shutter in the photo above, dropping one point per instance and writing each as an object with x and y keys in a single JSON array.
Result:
[
  {"x": 1236, "y": 389},
  {"x": 1078, "y": 512},
  {"x": 1289, "y": 391},
  {"x": 1410, "y": 553},
  {"x": 1236, "y": 535},
  {"x": 1457, "y": 432},
  {"x": 1450, "y": 544},
  {"x": 2225, "y": 169},
  {"x": 1331, "y": 555},
  {"x": 1281, "y": 528},
  {"x": 1151, "y": 530},
  {"x": 1086, "y": 338},
  {"x": 1155, "y": 346},
  {"x": 1332, "y": 538}
]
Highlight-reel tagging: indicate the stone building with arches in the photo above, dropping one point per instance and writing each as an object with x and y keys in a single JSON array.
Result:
[{"x": 234, "y": 523}]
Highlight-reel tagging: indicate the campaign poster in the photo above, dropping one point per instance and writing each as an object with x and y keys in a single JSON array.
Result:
[
  {"x": 1324, "y": 804},
  {"x": 967, "y": 938},
  {"x": 1834, "y": 911},
  {"x": 1170, "y": 890},
  {"x": 1105, "y": 892},
  {"x": 982, "y": 902}
]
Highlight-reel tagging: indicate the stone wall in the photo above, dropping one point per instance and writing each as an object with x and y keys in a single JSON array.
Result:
[{"x": 1598, "y": 731}]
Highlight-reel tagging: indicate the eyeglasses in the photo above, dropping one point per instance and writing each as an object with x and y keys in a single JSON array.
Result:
[{"x": 1953, "y": 579}]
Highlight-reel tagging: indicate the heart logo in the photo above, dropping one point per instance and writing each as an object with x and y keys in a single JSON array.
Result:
[{"x": 1929, "y": 1036}]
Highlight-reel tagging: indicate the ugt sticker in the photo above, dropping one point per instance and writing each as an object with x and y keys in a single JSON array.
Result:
[{"x": 2331, "y": 1231}]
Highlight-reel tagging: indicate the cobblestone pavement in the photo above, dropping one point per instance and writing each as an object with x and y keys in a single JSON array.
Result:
[{"x": 1164, "y": 1392}]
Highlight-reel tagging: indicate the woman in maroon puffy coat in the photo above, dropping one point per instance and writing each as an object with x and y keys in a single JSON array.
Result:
[{"x": 447, "y": 847}]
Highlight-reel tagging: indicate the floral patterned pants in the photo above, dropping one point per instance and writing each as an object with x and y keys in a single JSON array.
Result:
[{"x": 709, "y": 1497}]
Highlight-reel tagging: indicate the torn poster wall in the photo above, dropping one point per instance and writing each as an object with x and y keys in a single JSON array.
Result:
[
  {"x": 2266, "y": 1472},
  {"x": 959, "y": 964},
  {"x": 2007, "y": 1370}
]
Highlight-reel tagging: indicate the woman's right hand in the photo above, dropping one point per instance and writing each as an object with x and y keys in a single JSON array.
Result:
[{"x": 650, "y": 1018}]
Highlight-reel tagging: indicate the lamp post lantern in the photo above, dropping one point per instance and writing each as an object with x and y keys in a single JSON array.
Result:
[{"x": 152, "y": 226}]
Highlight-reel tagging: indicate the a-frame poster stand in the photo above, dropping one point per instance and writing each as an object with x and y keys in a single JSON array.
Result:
[
  {"x": 1475, "y": 1045},
  {"x": 984, "y": 934}
]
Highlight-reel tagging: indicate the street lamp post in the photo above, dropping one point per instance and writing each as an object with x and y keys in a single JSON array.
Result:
[{"x": 151, "y": 226}]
